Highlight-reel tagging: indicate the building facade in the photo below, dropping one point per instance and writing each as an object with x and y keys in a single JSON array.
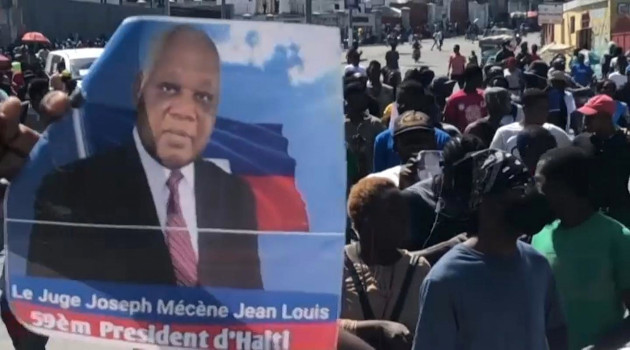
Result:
[
  {"x": 620, "y": 22},
  {"x": 585, "y": 24}
]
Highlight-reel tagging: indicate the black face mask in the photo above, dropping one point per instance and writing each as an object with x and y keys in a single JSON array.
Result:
[{"x": 529, "y": 214}]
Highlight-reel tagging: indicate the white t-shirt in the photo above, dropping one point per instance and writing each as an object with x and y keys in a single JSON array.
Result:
[
  {"x": 505, "y": 137},
  {"x": 513, "y": 78},
  {"x": 392, "y": 174},
  {"x": 355, "y": 69},
  {"x": 613, "y": 63},
  {"x": 618, "y": 78}
]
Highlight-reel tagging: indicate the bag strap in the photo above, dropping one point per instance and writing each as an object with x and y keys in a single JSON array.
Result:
[
  {"x": 404, "y": 289},
  {"x": 514, "y": 112},
  {"x": 368, "y": 314}
]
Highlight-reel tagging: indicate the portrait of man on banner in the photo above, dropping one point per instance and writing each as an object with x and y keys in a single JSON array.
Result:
[{"x": 154, "y": 211}]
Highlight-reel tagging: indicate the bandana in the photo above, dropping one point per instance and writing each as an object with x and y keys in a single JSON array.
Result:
[{"x": 494, "y": 172}]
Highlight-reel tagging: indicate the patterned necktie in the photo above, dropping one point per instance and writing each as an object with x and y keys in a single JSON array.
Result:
[{"x": 177, "y": 236}]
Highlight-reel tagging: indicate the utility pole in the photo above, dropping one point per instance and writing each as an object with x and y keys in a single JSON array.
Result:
[
  {"x": 167, "y": 7},
  {"x": 223, "y": 10},
  {"x": 309, "y": 11}
]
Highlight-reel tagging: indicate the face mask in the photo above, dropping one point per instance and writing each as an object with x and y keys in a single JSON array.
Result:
[{"x": 529, "y": 214}]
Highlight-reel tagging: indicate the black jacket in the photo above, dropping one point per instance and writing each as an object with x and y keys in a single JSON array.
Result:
[
  {"x": 609, "y": 172},
  {"x": 112, "y": 189},
  {"x": 428, "y": 225}
]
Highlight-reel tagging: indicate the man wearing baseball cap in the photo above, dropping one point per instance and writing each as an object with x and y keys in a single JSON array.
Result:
[
  {"x": 609, "y": 148},
  {"x": 411, "y": 96},
  {"x": 413, "y": 132}
]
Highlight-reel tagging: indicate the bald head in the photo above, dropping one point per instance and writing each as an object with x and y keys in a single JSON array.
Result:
[
  {"x": 178, "y": 96},
  {"x": 176, "y": 39}
]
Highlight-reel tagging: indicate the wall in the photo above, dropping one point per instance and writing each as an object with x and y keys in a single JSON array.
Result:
[
  {"x": 299, "y": 6},
  {"x": 434, "y": 13},
  {"x": 620, "y": 22},
  {"x": 330, "y": 19},
  {"x": 517, "y": 6},
  {"x": 9, "y": 25},
  {"x": 418, "y": 12},
  {"x": 459, "y": 12},
  {"x": 242, "y": 7},
  {"x": 114, "y": 2},
  {"x": 59, "y": 17},
  {"x": 600, "y": 24},
  {"x": 363, "y": 20},
  {"x": 595, "y": 9},
  {"x": 570, "y": 17},
  {"x": 478, "y": 11}
]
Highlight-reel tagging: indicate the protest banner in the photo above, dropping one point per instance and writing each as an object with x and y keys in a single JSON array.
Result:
[{"x": 195, "y": 200}]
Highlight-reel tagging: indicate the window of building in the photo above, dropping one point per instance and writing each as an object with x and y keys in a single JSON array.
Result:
[
  {"x": 586, "y": 20},
  {"x": 572, "y": 25}
]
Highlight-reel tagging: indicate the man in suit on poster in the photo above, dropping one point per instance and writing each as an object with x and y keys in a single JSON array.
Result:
[{"x": 159, "y": 180}]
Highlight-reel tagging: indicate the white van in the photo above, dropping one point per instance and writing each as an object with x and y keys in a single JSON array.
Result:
[{"x": 77, "y": 61}]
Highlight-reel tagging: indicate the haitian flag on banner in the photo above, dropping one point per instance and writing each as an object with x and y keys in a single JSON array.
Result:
[
  {"x": 181, "y": 205},
  {"x": 256, "y": 152},
  {"x": 259, "y": 153}
]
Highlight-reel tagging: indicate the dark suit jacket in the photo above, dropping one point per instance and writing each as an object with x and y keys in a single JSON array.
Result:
[{"x": 112, "y": 189}]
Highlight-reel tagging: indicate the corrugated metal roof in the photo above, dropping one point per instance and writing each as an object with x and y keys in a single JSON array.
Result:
[{"x": 576, "y": 4}]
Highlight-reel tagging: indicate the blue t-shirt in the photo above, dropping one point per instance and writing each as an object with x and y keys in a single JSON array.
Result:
[
  {"x": 582, "y": 74},
  {"x": 384, "y": 155},
  {"x": 472, "y": 301},
  {"x": 620, "y": 113}
]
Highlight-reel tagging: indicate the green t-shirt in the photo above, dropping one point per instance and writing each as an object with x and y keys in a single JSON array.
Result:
[{"x": 591, "y": 265}]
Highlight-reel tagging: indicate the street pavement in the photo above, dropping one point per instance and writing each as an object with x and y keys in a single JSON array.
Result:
[{"x": 436, "y": 60}]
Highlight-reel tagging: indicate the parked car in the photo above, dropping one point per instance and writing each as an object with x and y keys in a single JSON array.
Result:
[{"x": 76, "y": 61}]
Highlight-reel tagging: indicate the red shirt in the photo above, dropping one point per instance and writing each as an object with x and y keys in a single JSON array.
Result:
[
  {"x": 462, "y": 109},
  {"x": 457, "y": 63}
]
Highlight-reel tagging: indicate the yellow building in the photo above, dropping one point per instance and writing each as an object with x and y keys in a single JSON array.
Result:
[{"x": 585, "y": 24}]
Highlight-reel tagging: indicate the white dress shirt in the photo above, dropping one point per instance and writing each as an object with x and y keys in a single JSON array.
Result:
[
  {"x": 618, "y": 78},
  {"x": 157, "y": 175}
]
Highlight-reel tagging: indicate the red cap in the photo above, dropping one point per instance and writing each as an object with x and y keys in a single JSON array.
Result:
[
  {"x": 511, "y": 62},
  {"x": 599, "y": 104}
]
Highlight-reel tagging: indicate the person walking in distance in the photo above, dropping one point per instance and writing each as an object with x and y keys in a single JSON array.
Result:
[
  {"x": 456, "y": 65},
  {"x": 466, "y": 105}
]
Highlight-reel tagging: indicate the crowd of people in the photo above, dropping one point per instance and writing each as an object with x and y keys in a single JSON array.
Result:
[
  {"x": 23, "y": 74},
  {"x": 493, "y": 216}
]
